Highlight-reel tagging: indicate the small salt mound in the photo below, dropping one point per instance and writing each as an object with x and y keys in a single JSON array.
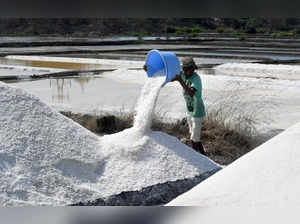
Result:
[
  {"x": 140, "y": 161},
  {"x": 47, "y": 159}
]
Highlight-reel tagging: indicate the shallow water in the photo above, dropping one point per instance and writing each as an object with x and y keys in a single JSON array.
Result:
[
  {"x": 51, "y": 64},
  {"x": 139, "y": 57},
  {"x": 244, "y": 55},
  {"x": 87, "y": 93}
]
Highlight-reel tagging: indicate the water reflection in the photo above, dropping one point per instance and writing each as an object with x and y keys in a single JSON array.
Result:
[
  {"x": 61, "y": 88},
  {"x": 82, "y": 81}
]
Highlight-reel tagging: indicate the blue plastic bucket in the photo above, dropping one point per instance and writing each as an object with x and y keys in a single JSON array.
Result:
[{"x": 162, "y": 63}]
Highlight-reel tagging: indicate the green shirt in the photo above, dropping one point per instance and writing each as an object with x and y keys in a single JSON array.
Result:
[{"x": 195, "y": 105}]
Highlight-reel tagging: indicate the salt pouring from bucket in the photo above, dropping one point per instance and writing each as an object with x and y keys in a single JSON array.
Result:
[{"x": 162, "y": 63}]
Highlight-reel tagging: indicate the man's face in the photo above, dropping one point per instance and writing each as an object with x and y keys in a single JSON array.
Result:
[{"x": 188, "y": 72}]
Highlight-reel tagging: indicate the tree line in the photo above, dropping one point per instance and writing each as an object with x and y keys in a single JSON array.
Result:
[{"x": 101, "y": 27}]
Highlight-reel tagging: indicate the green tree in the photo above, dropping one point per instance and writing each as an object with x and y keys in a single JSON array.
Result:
[{"x": 251, "y": 25}]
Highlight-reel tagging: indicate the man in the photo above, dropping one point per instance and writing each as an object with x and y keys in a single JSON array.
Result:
[{"x": 192, "y": 92}]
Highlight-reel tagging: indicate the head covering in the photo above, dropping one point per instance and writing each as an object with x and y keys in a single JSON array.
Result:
[{"x": 188, "y": 62}]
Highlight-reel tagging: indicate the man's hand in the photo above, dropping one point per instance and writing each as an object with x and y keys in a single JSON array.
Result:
[
  {"x": 189, "y": 90},
  {"x": 177, "y": 78},
  {"x": 194, "y": 90}
]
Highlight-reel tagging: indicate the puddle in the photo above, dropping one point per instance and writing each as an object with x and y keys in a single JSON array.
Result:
[{"x": 61, "y": 89}]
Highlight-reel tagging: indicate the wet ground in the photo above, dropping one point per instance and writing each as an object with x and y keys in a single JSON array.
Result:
[{"x": 93, "y": 92}]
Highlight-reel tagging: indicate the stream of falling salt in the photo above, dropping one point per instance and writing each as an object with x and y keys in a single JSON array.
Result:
[{"x": 146, "y": 104}]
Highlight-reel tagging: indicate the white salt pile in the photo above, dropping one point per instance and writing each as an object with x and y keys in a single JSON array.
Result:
[
  {"x": 279, "y": 71},
  {"x": 47, "y": 159}
]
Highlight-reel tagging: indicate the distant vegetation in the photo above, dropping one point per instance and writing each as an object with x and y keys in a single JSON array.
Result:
[
  {"x": 239, "y": 35},
  {"x": 80, "y": 27},
  {"x": 283, "y": 34}
]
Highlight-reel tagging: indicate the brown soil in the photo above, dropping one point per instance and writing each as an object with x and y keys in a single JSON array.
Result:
[{"x": 222, "y": 145}]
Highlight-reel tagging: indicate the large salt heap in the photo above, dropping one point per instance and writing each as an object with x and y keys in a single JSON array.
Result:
[
  {"x": 265, "y": 178},
  {"x": 47, "y": 159},
  {"x": 44, "y": 157}
]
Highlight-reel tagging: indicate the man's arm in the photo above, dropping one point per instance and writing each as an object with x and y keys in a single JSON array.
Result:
[{"x": 190, "y": 91}]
